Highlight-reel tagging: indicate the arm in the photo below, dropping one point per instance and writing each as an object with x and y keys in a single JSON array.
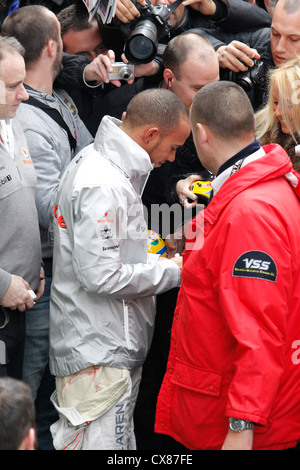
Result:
[
  {"x": 260, "y": 348},
  {"x": 100, "y": 262},
  {"x": 49, "y": 168},
  {"x": 252, "y": 16},
  {"x": 238, "y": 440}
]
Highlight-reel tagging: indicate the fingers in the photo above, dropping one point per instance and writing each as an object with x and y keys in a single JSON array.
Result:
[
  {"x": 23, "y": 303},
  {"x": 186, "y": 197},
  {"x": 103, "y": 65},
  {"x": 206, "y": 7},
  {"x": 126, "y": 11},
  {"x": 186, "y": 201},
  {"x": 100, "y": 67},
  {"x": 17, "y": 296},
  {"x": 237, "y": 56}
]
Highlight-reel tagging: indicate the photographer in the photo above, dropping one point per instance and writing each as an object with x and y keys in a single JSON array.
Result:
[
  {"x": 272, "y": 46},
  {"x": 223, "y": 15}
]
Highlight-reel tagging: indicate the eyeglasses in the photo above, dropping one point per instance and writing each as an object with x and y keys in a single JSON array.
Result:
[{"x": 100, "y": 49}]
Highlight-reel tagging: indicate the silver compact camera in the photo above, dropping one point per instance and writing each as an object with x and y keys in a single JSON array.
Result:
[{"x": 121, "y": 71}]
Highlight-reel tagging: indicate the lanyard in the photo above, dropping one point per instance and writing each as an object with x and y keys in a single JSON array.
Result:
[{"x": 237, "y": 166}]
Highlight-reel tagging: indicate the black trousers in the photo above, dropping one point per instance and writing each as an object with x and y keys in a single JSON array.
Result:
[{"x": 12, "y": 339}]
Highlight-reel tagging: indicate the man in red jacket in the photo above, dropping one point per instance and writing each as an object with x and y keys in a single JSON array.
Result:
[{"x": 233, "y": 375}]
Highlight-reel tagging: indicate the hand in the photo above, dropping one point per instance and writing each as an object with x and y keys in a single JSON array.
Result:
[
  {"x": 206, "y": 7},
  {"x": 17, "y": 296},
  {"x": 230, "y": 56},
  {"x": 184, "y": 193},
  {"x": 41, "y": 286},
  {"x": 176, "y": 259},
  {"x": 98, "y": 69},
  {"x": 143, "y": 70},
  {"x": 175, "y": 243},
  {"x": 126, "y": 10},
  {"x": 238, "y": 440}
]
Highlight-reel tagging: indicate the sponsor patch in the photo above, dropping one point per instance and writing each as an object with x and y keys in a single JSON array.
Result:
[{"x": 255, "y": 264}]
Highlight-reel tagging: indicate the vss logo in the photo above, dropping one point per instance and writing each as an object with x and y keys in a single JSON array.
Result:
[{"x": 257, "y": 264}]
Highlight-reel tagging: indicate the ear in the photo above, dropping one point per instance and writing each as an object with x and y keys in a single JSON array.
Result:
[
  {"x": 168, "y": 78},
  {"x": 201, "y": 133},
  {"x": 51, "y": 47},
  {"x": 151, "y": 135},
  {"x": 29, "y": 441}
]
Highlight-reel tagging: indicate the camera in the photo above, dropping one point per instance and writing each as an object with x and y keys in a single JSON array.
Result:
[
  {"x": 144, "y": 32},
  {"x": 121, "y": 71},
  {"x": 254, "y": 76},
  {"x": 203, "y": 190}
]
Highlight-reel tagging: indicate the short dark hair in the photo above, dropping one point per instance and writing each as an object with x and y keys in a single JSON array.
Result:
[
  {"x": 32, "y": 26},
  {"x": 179, "y": 48},
  {"x": 156, "y": 106},
  {"x": 74, "y": 17},
  {"x": 225, "y": 109},
  {"x": 17, "y": 412}
]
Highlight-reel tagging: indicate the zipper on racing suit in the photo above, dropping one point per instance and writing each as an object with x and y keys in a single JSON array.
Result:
[{"x": 126, "y": 323}]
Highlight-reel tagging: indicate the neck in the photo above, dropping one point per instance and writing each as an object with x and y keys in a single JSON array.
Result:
[
  {"x": 40, "y": 79},
  {"x": 240, "y": 153}
]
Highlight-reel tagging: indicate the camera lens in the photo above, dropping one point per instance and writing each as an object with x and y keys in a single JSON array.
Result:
[
  {"x": 141, "y": 46},
  {"x": 245, "y": 82},
  {"x": 125, "y": 73}
]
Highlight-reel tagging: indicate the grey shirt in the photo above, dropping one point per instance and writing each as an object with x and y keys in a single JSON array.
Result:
[
  {"x": 50, "y": 150},
  {"x": 20, "y": 247}
]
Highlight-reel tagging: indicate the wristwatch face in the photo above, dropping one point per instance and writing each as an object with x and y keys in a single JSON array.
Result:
[{"x": 236, "y": 425}]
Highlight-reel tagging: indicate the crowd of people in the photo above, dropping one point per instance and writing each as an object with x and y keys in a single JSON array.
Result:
[{"x": 104, "y": 345}]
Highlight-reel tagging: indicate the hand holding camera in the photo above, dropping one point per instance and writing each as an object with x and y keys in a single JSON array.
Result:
[
  {"x": 237, "y": 56},
  {"x": 104, "y": 69}
]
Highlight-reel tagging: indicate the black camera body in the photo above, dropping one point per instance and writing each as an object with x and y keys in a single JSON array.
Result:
[
  {"x": 255, "y": 76},
  {"x": 142, "y": 41}
]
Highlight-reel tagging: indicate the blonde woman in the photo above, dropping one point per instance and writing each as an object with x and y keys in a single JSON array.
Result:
[{"x": 279, "y": 121}]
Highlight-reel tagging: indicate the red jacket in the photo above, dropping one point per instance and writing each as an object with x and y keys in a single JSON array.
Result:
[{"x": 236, "y": 330}]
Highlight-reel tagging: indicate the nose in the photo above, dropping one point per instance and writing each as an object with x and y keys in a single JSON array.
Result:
[
  {"x": 22, "y": 94},
  {"x": 277, "y": 110},
  {"x": 281, "y": 45},
  {"x": 172, "y": 156}
]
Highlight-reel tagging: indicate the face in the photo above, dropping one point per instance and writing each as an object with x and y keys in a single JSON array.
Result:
[
  {"x": 12, "y": 91},
  {"x": 87, "y": 42},
  {"x": 285, "y": 35},
  {"x": 278, "y": 113},
  {"x": 165, "y": 147},
  {"x": 176, "y": 17},
  {"x": 193, "y": 76}
]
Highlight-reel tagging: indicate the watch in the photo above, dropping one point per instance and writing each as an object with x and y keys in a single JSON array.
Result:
[{"x": 238, "y": 425}]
